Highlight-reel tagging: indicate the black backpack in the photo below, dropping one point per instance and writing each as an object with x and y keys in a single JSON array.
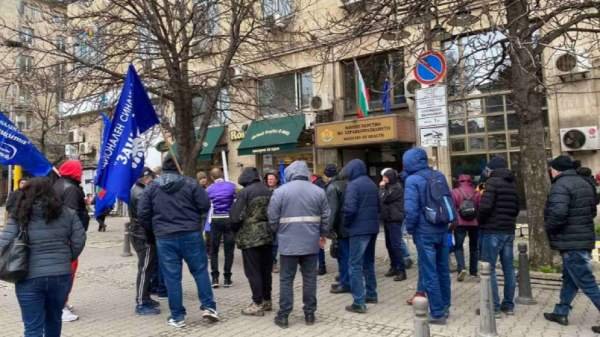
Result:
[{"x": 467, "y": 209}]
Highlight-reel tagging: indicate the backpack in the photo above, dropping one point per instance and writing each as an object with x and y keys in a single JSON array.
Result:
[
  {"x": 467, "y": 209},
  {"x": 439, "y": 210}
]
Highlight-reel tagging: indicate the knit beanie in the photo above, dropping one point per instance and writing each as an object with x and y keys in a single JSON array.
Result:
[
  {"x": 497, "y": 162},
  {"x": 562, "y": 163},
  {"x": 330, "y": 170}
]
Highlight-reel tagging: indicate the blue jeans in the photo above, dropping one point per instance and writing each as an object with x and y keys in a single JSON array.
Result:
[
  {"x": 494, "y": 246},
  {"x": 362, "y": 266},
  {"x": 434, "y": 271},
  {"x": 344, "y": 262},
  {"x": 577, "y": 274},
  {"x": 460, "y": 233},
  {"x": 188, "y": 246},
  {"x": 41, "y": 300}
]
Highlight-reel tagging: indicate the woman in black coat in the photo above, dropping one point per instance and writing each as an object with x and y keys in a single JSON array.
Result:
[{"x": 392, "y": 214}]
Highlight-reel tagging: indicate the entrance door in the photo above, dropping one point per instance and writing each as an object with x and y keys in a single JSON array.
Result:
[{"x": 377, "y": 157}]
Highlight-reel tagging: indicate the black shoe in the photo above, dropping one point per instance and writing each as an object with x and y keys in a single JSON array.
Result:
[
  {"x": 596, "y": 329},
  {"x": 281, "y": 322},
  {"x": 153, "y": 303},
  {"x": 358, "y": 309},
  {"x": 401, "y": 276},
  {"x": 215, "y": 282},
  {"x": 339, "y": 290},
  {"x": 560, "y": 319},
  {"x": 372, "y": 300},
  {"x": 408, "y": 262},
  {"x": 322, "y": 270},
  {"x": 309, "y": 319},
  {"x": 390, "y": 273},
  {"x": 227, "y": 283}
]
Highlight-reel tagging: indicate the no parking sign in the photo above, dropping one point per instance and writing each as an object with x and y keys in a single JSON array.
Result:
[{"x": 430, "y": 68}]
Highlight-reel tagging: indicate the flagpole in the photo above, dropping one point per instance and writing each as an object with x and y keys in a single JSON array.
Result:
[{"x": 173, "y": 154}]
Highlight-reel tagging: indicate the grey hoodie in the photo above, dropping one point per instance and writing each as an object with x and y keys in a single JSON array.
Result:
[{"x": 299, "y": 212}]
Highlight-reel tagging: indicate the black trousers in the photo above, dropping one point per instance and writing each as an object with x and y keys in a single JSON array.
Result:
[
  {"x": 258, "y": 265},
  {"x": 146, "y": 268},
  {"x": 287, "y": 272},
  {"x": 220, "y": 230}
]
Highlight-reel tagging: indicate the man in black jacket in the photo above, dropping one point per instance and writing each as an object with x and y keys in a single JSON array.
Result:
[
  {"x": 145, "y": 248},
  {"x": 335, "y": 188},
  {"x": 498, "y": 210},
  {"x": 391, "y": 196},
  {"x": 174, "y": 208},
  {"x": 569, "y": 221}
]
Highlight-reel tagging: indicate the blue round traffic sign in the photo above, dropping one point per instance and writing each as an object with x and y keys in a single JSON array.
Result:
[{"x": 430, "y": 68}]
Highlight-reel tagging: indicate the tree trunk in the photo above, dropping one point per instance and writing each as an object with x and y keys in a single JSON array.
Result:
[
  {"x": 527, "y": 99},
  {"x": 184, "y": 132}
]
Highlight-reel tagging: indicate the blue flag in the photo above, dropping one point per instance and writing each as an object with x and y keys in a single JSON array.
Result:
[
  {"x": 16, "y": 149},
  {"x": 386, "y": 99},
  {"x": 122, "y": 153}
]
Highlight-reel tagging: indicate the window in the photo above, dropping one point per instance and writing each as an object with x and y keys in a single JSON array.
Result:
[
  {"x": 146, "y": 50},
  {"x": 222, "y": 113},
  {"x": 375, "y": 69},
  {"x": 87, "y": 46},
  {"x": 26, "y": 36},
  {"x": 25, "y": 63},
  {"x": 277, "y": 8},
  {"x": 23, "y": 122},
  {"x": 24, "y": 94},
  {"x": 206, "y": 17},
  {"x": 59, "y": 74},
  {"x": 285, "y": 94}
]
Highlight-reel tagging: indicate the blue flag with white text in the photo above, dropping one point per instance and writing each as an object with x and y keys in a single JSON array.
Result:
[
  {"x": 122, "y": 153},
  {"x": 16, "y": 149}
]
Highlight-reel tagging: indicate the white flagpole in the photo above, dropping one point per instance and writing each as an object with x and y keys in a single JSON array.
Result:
[{"x": 225, "y": 166}]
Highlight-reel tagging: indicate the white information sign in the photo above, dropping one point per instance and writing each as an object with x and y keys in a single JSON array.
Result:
[
  {"x": 432, "y": 107},
  {"x": 435, "y": 136}
]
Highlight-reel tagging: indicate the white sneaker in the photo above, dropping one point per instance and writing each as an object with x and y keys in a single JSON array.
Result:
[
  {"x": 68, "y": 316},
  {"x": 211, "y": 315},
  {"x": 176, "y": 324}
]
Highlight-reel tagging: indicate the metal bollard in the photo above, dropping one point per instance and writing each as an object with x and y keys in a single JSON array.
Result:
[
  {"x": 525, "y": 293},
  {"x": 126, "y": 242},
  {"x": 487, "y": 320},
  {"x": 421, "y": 308}
]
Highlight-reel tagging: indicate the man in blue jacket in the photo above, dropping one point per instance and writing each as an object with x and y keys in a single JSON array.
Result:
[
  {"x": 430, "y": 239},
  {"x": 361, "y": 220}
]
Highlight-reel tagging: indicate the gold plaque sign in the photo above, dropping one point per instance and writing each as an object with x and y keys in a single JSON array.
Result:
[
  {"x": 236, "y": 135},
  {"x": 356, "y": 132}
]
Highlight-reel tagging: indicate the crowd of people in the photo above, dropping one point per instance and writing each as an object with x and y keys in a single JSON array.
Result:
[{"x": 280, "y": 227}]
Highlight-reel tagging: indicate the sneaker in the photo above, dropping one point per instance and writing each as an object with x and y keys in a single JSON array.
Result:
[
  {"x": 215, "y": 282},
  {"x": 322, "y": 270},
  {"x": 339, "y": 289},
  {"x": 507, "y": 311},
  {"x": 254, "y": 310},
  {"x": 560, "y": 319},
  {"x": 372, "y": 300},
  {"x": 596, "y": 329},
  {"x": 176, "y": 323},
  {"x": 211, "y": 315},
  {"x": 309, "y": 319},
  {"x": 497, "y": 313},
  {"x": 146, "y": 310},
  {"x": 417, "y": 294},
  {"x": 461, "y": 275},
  {"x": 401, "y": 276},
  {"x": 275, "y": 268},
  {"x": 267, "y": 305},
  {"x": 437, "y": 321},
  {"x": 70, "y": 307},
  {"x": 390, "y": 273},
  {"x": 227, "y": 283},
  {"x": 281, "y": 321},
  {"x": 357, "y": 309},
  {"x": 68, "y": 316},
  {"x": 153, "y": 303}
]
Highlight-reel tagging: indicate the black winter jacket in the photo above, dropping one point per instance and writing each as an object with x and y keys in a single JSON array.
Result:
[
  {"x": 570, "y": 212},
  {"x": 392, "y": 203},
  {"x": 499, "y": 205},
  {"x": 135, "y": 228},
  {"x": 248, "y": 215},
  {"x": 173, "y": 204},
  {"x": 72, "y": 196},
  {"x": 335, "y": 190}
]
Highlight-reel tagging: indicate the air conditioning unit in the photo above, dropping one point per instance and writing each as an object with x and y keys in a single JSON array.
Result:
[
  {"x": 237, "y": 73},
  {"x": 85, "y": 148},
  {"x": 75, "y": 136},
  {"x": 571, "y": 66},
  {"x": 320, "y": 103},
  {"x": 579, "y": 139},
  {"x": 410, "y": 87}
]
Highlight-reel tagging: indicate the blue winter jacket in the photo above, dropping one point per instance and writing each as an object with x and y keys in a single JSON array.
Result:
[
  {"x": 361, "y": 200},
  {"x": 222, "y": 195},
  {"x": 415, "y": 188}
]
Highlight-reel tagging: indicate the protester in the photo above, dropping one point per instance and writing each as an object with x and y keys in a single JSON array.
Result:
[
  {"x": 586, "y": 173},
  {"x": 102, "y": 217},
  {"x": 361, "y": 220},
  {"x": 335, "y": 189},
  {"x": 145, "y": 248},
  {"x": 466, "y": 203},
  {"x": 317, "y": 180},
  {"x": 202, "y": 179},
  {"x": 11, "y": 202},
  {"x": 174, "y": 208},
  {"x": 222, "y": 195},
  {"x": 272, "y": 182},
  {"x": 299, "y": 214},
  {"x": 392, "y": 214},
  {"x": 70, "y": 192},
  {"x": 254, "y": 237},
  {"x": 430, "y": 236},
  {"x": 497, "y": 217},
  {"x": 569, "y": 222},
  {"x": 56, "y": 237}
]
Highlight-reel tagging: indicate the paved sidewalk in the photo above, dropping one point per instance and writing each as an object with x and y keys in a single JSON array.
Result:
[{"x": 104, "y": 298}]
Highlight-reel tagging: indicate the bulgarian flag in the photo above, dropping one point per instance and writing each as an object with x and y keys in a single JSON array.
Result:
[{"x": 362, "y": 94}]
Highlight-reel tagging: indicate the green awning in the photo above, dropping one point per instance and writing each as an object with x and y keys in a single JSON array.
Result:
[
  {"x": 213, "y": 135},
  {"x": 272, "y": 135}
]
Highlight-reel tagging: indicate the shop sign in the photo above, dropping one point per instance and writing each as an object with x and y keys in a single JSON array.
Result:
[
  {"x": 356, "y": 132},
  {"x": 236, "y": 135}
]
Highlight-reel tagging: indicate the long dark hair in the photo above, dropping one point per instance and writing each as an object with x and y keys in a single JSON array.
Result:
[{"x": 37, "y": 191}]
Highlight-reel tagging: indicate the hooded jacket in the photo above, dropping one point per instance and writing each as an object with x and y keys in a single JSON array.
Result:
[
  {"x": 361, "y": 200},
  {"x": 569, "y": 213},
  {"x": 173, "y": 204},
  {"x": 298, "y": 212},
  {"x": 248, "y": 215},
  {"x": 465, "y": 190},
  {"x": 392, "y": 199},
  {"x": 52, "y": 245},
  {"x": 335, "y": 190},
  {"x": 499, "y": 204},
  {"x": 68, "y": 188},
  {"x": 135, "y": 229},
  {"x": 415, "y": 189}
]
